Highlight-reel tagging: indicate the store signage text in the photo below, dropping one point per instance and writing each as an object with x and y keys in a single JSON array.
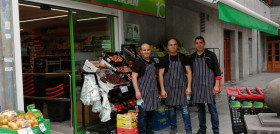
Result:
[
  {"x": 149, "y": 7},
  {"x": 129, "y": 2}
]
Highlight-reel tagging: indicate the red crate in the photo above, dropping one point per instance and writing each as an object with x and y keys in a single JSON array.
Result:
[{"x": 127, "y": 131}]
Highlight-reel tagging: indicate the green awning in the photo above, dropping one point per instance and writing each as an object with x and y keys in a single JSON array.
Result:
[{"x": 232, "y": 15}]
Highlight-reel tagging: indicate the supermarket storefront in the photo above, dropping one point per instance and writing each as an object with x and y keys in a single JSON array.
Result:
[{"x": 57, "y": 36}]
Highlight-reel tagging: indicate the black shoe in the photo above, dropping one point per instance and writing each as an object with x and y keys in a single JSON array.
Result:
[
  {"x": 216, "y": 132},
  {"x": 201, "y": 132},
  {"x": 150, "y": 132}
]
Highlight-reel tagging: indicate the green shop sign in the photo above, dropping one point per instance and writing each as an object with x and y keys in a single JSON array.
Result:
[{"x": 148, "y": 7}]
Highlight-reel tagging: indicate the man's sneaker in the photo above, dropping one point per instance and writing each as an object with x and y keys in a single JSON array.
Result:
[
  {"x": 173, "y": 131},
  {"x": 201, "y": 132}
]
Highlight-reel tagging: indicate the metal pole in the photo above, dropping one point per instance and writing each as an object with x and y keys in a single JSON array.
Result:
[
  {"x": 73, "y": 71},
  {"x": 7, "y": 69}
]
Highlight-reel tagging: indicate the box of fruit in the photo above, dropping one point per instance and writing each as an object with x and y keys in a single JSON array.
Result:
[
  {"x": 93, "y": 66},
  {"x": 19, "y": 122},
  {"x": 12, "y": 122},
  {"x": 114, "y": 59},
  {"x": 42, "y": 128},
  {"x": 110, "y": 78}
]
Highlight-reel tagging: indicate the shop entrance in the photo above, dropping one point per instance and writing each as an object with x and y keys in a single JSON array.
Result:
[
  {"x": 46, "y": 57},
  {"x": 273, "y": 55}
]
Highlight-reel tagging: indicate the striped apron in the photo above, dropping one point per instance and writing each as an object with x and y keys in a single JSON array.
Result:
[
  {"x": 148, "y": 88},
  {"x": 203, "y": 82},
  {"x": 175, "y": 83}
]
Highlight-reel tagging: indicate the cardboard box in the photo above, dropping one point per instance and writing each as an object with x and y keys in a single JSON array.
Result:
[
  {"x": 127, "y": 131},
  {"x": 126, "y": 121},
  {"x": 90, "y": 117}
]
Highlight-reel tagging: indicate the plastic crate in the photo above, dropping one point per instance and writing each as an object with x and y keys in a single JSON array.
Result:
[
  {"x": 240, "y": 107},
  {"x": 127, "y": 131},
  {"x": 237, "y": 120},
  {"x": 161, "y": 124},
  {"x": 160, "y": 115}
]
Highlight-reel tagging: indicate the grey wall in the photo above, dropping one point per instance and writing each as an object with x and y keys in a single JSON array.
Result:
[
  {"x": 152, "y": 29},
  {"x": 257, "y": 6},
  {"x": 275, "y": 14},
  {"x": 183, "y": 22}
]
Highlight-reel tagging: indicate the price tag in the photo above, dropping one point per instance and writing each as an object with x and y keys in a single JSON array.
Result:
[
  {"x": 25, "y": 131},
  {"x": 29, "y": 130},
  {"x": 124, "y": 89},
  {"x": 22, "y": 131},
  {"x": 42, "y": 127},
  {"x": 108, "y": 59}
]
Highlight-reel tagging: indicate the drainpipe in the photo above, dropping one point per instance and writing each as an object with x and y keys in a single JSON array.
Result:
[
  {"x": 258, "y": 51},
  {"x": 8, "y": 94}
]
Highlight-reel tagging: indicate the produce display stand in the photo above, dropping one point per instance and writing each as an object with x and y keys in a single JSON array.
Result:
[
  {"x": 107, "y": 127},
  {"x": 243, "y": 102},
  {"x": 36, "y": 130},
  {"x": 116, "y": 96}
]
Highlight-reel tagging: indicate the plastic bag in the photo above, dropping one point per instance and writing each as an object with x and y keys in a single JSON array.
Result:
[
  {"x": 95, "y": 95},
  {"x": 105, "y": 101},
  {"x": 90, "y": 91},
  {"x": 105, "y": 114},
  {"x": 96, "y": 107}
]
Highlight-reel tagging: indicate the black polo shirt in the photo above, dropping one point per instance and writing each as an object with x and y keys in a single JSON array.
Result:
[
  {"x": 211, "y": 61},
  {"x": 164, "y": 61},
  {"x": 139, "y": 66}
]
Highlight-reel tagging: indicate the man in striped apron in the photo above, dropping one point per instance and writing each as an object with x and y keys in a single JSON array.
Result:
[
  {"x": 173, "y": 83},
  {"x": 145, "y": 85},
  {"x": 205, "y": 84}
]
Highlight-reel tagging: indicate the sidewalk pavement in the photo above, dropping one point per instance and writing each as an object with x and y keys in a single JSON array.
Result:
[{"x": 259, "y": 80}]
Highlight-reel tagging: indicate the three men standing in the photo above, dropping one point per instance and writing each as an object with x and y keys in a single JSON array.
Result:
[{"x": 178, "y": 76}]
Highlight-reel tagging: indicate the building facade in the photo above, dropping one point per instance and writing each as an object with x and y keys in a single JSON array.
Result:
[{"x": 241, "y": 51}]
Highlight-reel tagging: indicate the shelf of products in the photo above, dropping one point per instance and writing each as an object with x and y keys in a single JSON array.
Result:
[{"x": 110, "y": 75}]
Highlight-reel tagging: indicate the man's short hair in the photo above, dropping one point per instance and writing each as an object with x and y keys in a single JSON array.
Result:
[
  {"x": 199, "y": 38},
  {"x": 143, "y": 44},
  {"x": 177, "y": 41}
]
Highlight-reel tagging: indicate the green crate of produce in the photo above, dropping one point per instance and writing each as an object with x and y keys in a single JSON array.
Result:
[
  {"x": 258, "y": 104},
  {"x": 247, "y": 104},
  {"x": 235, "y": 104},
  {"x": 36, "y": 130}
]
